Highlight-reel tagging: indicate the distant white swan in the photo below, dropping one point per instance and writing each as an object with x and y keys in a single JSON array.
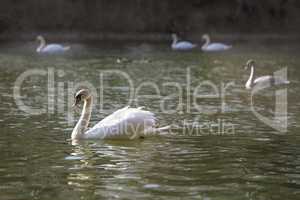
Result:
[
  {"x": 209, "y": 47},
  {"x": 125, "y": 123},
  {"x": 50, "y": 48},
  {"x": 182, "y": 45},
  {"x": 261, "y": 80}
]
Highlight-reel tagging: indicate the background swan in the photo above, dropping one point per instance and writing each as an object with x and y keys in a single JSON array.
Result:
[
  {"x": 50, "y": 48},
  {"x": 261, "y": 80},
  {"x": 207, "y": 46},
  {"x": 182, "y": 45},
  {"x": 125, "y": 123}
]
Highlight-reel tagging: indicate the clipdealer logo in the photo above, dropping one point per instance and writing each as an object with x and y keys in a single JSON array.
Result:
[{"x": 279, "y": 121}]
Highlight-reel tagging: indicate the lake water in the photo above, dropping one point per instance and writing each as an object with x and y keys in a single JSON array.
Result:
[{"x": 235, "y": 155}]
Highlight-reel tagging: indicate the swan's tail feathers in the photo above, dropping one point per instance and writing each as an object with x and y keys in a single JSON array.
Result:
[
  {"x": 229, "y": 46},
  {"x": 161, "y": 131},
  {"x": 282, "y": 82},
  {"x": 164, "y": 131},
  {"x": 67, "y": 48},
  {"x": 164, "y": 128}
]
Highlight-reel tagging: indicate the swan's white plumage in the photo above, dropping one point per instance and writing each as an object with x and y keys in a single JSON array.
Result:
[
  {"x": 182, "y": 45},
  {"x": 43, "y": 48},
  {"x": 53, "y": 48},
  {"x": 270, "y": 80},
  {"x": 262, "y": 80},
  {"x": 123, "y": 124},
  {"x": 213, "y": 47},
  {"x": 216, "y": 47}
]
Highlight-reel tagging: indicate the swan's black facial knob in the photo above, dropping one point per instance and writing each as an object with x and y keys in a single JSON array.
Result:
[
  {"x": 80, "y": 96},
  {"x": 77, "y": 100}
]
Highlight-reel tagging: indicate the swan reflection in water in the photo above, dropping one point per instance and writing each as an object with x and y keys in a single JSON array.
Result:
[{"x": 96, "y": 164}]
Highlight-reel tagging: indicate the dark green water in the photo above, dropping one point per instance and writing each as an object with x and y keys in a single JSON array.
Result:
[{"x": 248, "y": 160}]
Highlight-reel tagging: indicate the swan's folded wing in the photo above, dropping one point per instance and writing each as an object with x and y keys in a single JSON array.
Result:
[
  {"x": 110, "y": 119},
  {"x": 217, "y": 47},
  {"x": 263, "y": 79},
  {"x": 53, "y": 48},
  {"x": 124, "y": 122},
  {"x": 184, "y": 45}
]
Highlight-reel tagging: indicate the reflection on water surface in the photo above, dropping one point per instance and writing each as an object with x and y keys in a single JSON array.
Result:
[{"x": 256, "y": 162}]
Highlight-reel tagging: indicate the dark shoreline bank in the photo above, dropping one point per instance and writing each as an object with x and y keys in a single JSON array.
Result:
[{"x": 151, "y": 20}]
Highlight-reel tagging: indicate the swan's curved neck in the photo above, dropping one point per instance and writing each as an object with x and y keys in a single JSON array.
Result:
[
  {"x": 84, "y": 119},
  {"x": 175, "y": 40},
  {"x": 207, "y": 41},
  {"x": 42, "y": 44},
  {"x": 251, "y": 78}
]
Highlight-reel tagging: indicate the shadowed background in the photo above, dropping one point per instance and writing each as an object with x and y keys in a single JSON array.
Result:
[{"x": 133, "y": 18}]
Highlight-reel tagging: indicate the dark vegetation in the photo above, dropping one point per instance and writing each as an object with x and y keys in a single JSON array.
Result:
[{"x": 150, "y": 16}]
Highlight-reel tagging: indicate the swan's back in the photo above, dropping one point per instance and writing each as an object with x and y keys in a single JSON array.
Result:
[
  {"x": 183, "y": 45},
  {"x": 216, "y": 47},
  {"x": 54, "y": 48},
  {"x": 123, "y": 123},
  {"x": 264, "y": 80},
  {"x": 270, "y": 80}
]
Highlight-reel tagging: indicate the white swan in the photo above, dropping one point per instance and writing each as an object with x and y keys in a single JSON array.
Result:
[
  {"x": 182, "y": 45},
  {"x": 209, "y": 47},
  {"x": 125, "y": 123},
  {"x": 50, "y": 48},
  {"x": 261, "y": 80}
]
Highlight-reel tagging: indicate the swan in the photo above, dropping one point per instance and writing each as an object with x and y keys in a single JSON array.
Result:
[
  {"x": 182, "y": 45},
  {"x": 125, "y": 123},
  {"x": 261, "y": 80},
  {"x": 209, "y": 47},
  {"x": 50, "y": 48}
]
